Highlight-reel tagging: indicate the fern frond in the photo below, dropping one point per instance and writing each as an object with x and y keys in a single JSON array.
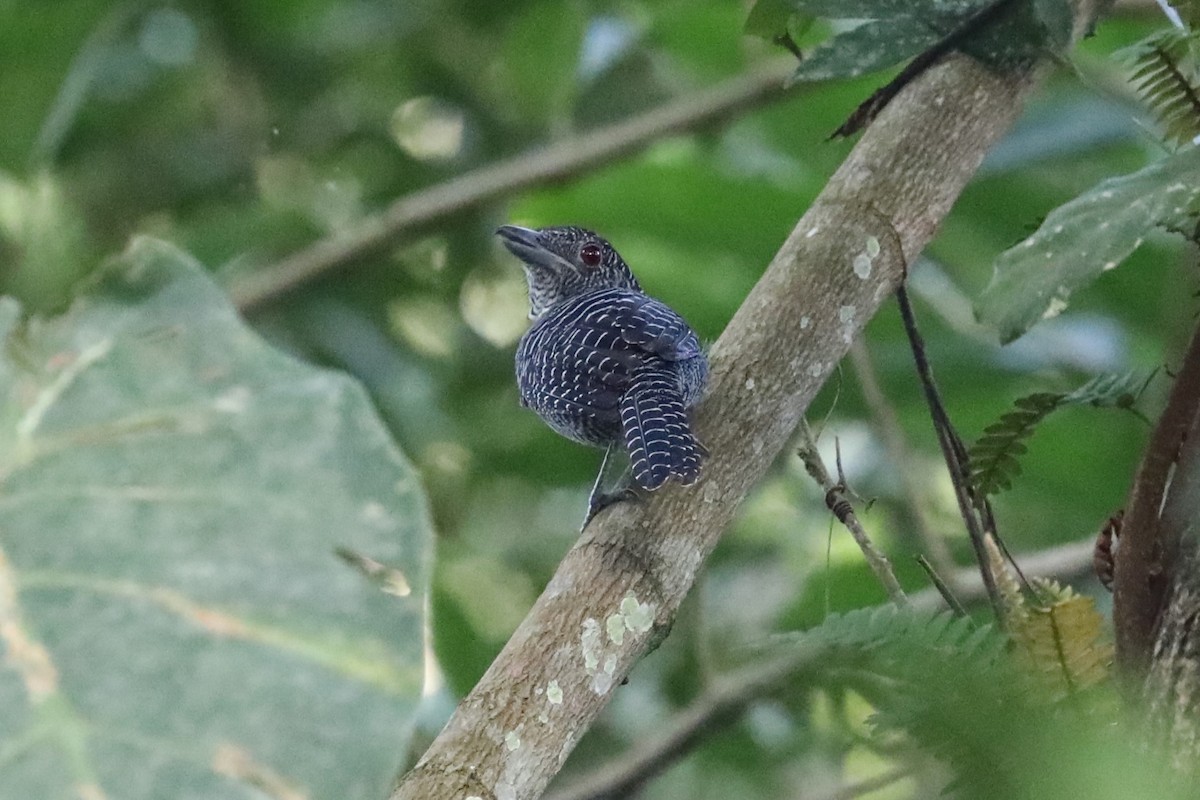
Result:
[
  {"x": 994, "y": 458},
  {"x": 1058, "y": 639},
  {"x": 887, "y": 631},
  {"x": 1166, "y": 75},
  {"x": 1062, "y": 646},
  {"x": 967, "y": 693}
]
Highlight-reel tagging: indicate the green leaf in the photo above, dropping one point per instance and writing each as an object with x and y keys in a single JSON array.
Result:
[
  {"x": 993, "y": 458},
  {"x": 871, "y": 46},
  {"x": 1056, "y": 19},
  {"x": 768, "y": 19},
  {"x": 1020, "y": 31},
  {"x": 1166, "y": 75},
  {"x": 1085, "y": 237},
  {"x": 888, "y": 9},
  {"x": 1002, "y": 34},
  {"x": 174, "y": 620}
]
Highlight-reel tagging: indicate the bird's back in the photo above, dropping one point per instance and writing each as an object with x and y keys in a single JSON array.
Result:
[{"x": 615, "y": 365}]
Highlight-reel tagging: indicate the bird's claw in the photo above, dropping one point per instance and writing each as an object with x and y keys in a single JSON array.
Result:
[{"x": 600, "y": 501}]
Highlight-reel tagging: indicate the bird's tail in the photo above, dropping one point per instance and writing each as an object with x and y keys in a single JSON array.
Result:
[{"x": 655, "y": 425}]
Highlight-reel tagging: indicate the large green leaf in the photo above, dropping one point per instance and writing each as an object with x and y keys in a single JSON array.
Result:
[
  {"x": 886, "y": 9},
  {"x": 872, "y": 46},
  {"x": 1085, "y": 237},
  {"x": 173, "y": 619},
  {"x": 998, "y": 33}
]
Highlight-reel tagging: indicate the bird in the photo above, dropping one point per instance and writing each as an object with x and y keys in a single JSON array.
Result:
[{"x": 605, "y": 364}]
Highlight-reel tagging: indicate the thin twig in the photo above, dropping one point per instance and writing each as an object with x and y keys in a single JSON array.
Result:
[
  {"x": 1066, "y": 562},
  {"x": 839, "y": 504},
  {"x": 572, "y": 156},
  {"x": 976, "y": 512},
  {"x": 899, "y": 454},
  {"x": 942, "y": 587}
]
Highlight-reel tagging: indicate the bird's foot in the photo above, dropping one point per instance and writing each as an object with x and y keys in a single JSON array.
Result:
[{"x": 602, "y": 500}]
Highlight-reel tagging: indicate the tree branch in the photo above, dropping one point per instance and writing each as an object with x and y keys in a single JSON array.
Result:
[
  {"x": 1139, "y": 571},
  {"x": 617, "y": 590},
  {"x": 1172, "y": 686},
  {"x": 734, "y": 691},
  {"x": 563, "y": 159}
]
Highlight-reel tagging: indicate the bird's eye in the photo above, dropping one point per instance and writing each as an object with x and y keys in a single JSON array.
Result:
[{"x": 591, "y": 254}]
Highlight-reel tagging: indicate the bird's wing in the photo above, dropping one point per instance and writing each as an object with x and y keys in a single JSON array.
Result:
[
  {"x": 655, "y": 327},
  {"x": 617, "y": 333}
]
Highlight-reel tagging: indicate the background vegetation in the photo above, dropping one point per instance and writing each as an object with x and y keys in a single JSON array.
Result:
[{"x": 244, "y": 132}]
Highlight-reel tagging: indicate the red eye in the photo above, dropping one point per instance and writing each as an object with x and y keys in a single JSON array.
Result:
[{"x": 591, "y": 254}]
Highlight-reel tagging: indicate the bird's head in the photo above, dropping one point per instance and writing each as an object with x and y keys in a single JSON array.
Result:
[{"x": 564, "y": 262}]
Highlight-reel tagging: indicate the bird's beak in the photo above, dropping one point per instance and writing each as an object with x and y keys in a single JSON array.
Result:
[{"x": 527, "y": 245}]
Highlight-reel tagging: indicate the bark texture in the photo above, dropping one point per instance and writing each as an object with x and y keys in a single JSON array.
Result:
[
  {"x": 1153, "y": 546},
  {"x": 616, "y": 592},
  {"x": 1172, "y": 684}
]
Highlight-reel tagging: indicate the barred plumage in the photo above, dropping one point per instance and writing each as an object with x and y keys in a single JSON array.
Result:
[{"x": 605, "y": 364}]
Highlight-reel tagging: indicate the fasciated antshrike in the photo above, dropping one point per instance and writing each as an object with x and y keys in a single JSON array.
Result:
[{"x": 604, "y": 363}]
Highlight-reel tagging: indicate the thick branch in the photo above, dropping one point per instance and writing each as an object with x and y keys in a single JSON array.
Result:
[
  {"x": 1172, "y": 688},
  {"x": 616, "y": 592},
  {"x": 563, "y": 159},
  {"x": 1138, "y": 576}
]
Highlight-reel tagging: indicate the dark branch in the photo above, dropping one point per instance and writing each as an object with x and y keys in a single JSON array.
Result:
[
  {"x": 1138, "y": 573},
  {"x": 976, "y": 512}
]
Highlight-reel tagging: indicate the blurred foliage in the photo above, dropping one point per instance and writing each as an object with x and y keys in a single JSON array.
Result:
[
  {"x": 243, "y": 132},
  {"x": 1025, "y": 735}
]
